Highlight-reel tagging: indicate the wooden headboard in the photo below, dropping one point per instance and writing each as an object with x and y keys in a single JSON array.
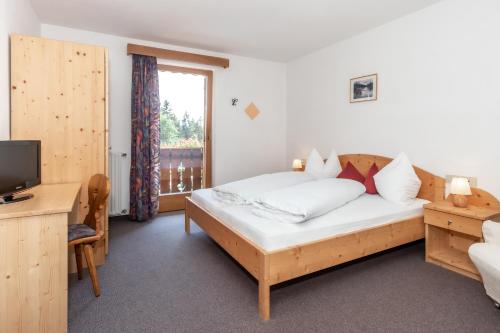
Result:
[
  {"x": 432, "y": 188},
  {"x": 482, "y": 198}
]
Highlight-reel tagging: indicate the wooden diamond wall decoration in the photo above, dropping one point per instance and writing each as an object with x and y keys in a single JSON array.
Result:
[{"x": 252, "y": 111}]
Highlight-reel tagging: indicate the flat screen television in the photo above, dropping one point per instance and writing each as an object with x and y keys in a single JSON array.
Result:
[{"x": 20, "y": 170}]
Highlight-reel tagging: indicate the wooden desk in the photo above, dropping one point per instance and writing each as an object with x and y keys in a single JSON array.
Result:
[{"x": 34, "y": 260}]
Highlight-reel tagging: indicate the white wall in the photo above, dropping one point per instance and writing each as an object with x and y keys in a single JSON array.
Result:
[
  {"x": 16, "y": 16},
  {"x": 439, "y": 71},
  {"x": 241, "y": 147}
]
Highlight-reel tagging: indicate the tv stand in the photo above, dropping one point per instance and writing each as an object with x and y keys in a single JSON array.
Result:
[{"x": 8, "y": 199}]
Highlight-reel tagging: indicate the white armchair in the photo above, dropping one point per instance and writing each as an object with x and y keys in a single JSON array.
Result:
[{"x": 486, "y": 257}]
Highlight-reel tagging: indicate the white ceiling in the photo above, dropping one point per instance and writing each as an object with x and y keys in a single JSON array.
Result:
[{"x": 270, "y": 29}]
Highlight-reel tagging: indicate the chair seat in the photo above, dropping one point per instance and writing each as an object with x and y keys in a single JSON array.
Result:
[{"x": 77, "y": 231}]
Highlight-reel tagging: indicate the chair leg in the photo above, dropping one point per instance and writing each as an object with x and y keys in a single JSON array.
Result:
[
  {"x": 89, "y": 256},
  {"x": 78, "y": 255}
]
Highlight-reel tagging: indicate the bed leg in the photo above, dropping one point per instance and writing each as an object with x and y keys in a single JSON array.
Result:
[
  {"x": 264, "y": 300},
  {"x": 187, "y": 223},
  {"x": 264, "y": 288}
]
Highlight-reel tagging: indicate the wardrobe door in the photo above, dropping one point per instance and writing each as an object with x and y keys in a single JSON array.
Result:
[{"x": 58, "y": 96}]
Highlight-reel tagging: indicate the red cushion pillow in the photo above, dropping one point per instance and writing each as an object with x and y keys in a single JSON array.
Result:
[
  {"x": 370, "y": 182},
  {"x": 350, "y": 172}
]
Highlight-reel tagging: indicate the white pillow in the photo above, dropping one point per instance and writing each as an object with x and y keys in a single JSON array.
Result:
[
  {"x": 316, "y": 167},
  {"x": 397, "y": 181}
]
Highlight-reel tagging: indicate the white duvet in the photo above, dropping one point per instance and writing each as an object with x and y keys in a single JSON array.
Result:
[
  {"x": 304, "y": 201},
  {"x": 243, "y": 192}
]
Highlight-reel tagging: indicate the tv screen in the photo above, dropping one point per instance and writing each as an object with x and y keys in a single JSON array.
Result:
[{"x": 19, "y": 166}]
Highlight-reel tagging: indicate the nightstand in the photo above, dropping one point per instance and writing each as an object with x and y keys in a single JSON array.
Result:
[{"x": 450, "y": 231}]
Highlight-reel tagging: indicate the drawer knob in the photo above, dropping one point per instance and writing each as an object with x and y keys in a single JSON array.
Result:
[{"x": 450, "y": 222}]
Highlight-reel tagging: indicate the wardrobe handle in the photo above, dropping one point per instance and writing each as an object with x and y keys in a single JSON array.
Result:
[{"x": 450, "y": 222}]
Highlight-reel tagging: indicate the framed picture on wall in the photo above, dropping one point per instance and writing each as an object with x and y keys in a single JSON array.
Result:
[{"x": 364, "y": 88}]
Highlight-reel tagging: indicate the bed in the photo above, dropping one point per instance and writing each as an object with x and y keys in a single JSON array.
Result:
[
  {"x": 364, "y": 212},
  {"x": 273, "y": 253}
]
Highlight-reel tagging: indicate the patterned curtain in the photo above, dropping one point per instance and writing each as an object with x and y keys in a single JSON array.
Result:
[{"x": 145, "y": 168}]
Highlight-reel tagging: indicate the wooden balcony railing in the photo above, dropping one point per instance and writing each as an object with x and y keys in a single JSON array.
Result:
[{"x": 175, "y": 162}]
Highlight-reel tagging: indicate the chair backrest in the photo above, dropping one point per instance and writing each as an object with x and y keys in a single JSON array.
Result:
[{"x": 99, "y": 188}]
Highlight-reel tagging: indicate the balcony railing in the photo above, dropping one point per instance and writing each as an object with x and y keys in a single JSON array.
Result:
[{"x": 181, "y": 169}]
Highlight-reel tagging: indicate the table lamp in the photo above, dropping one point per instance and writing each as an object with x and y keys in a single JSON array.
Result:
[
  {"x": 460, "y": 188},
  {"x": 297, "y": 165}
]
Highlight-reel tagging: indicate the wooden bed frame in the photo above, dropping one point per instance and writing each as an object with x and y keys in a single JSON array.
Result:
[{"x": 273, "y": 267}]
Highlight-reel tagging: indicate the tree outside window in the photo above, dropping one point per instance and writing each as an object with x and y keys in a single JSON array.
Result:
[{"x": 179, "y": 133}]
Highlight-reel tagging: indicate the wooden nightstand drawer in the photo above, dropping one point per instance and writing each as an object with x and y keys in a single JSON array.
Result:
[{"x": 453, "y": 222}]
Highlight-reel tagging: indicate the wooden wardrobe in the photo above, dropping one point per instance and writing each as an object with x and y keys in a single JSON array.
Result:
[{"x": 59, "y": 96}]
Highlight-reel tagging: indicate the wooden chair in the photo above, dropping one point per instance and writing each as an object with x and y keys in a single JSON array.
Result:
[{"x": 85, "y": 235}]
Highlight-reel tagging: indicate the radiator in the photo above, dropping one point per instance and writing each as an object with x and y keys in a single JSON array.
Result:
[{"x": 118, "y": 171}]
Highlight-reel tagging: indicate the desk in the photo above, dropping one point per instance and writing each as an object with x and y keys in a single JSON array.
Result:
[{"x": 34, "y": 260}]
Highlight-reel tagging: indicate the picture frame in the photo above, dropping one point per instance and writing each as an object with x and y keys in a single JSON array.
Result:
[{"x": 364, "y": 88}]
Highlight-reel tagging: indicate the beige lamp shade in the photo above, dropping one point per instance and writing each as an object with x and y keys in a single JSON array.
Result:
[
  {"x": 460, "y": 186},
  {"x": 297, "y": 164}
]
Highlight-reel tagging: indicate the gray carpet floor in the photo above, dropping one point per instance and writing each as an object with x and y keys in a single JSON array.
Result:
[{"x": 157, "y": 279}]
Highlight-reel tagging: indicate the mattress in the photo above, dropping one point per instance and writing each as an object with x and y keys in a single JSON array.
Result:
[{"x": 365, "y": 212}]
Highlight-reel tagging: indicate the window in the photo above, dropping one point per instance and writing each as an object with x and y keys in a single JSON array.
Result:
[{"x": 185, "y": 118}]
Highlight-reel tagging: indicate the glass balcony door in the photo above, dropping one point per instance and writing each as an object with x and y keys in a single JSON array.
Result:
[{"x": 185, "y": 127}]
